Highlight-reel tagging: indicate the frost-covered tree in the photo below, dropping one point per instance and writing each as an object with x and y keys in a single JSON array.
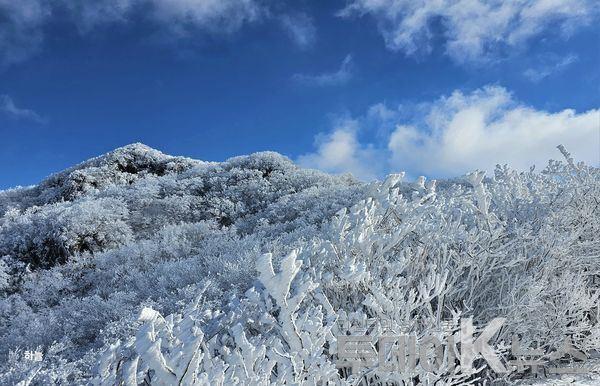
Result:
[{"x": 140, "y": 267}]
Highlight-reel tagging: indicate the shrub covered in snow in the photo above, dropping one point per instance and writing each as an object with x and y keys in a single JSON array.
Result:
[{"x": 256, "y": 262}]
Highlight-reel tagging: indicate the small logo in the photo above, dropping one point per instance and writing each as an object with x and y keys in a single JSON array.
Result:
[{"x": 33, "y": 356}]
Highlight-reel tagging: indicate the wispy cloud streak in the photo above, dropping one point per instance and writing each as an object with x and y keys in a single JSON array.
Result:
[
  {"x": 10, "y": 109},
  {"x": 336, "y": 78}
]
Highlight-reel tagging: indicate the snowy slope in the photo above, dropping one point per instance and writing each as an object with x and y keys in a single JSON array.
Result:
[{"x": 256, "y": 261}]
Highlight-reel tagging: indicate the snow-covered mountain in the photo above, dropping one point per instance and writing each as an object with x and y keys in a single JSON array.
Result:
[{"x": 261, "y": 266}]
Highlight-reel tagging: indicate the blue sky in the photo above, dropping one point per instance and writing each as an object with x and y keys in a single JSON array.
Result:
[{"x": 362, "y": 86}]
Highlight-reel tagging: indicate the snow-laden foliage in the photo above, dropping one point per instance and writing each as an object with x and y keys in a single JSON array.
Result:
[{"x": 139, "y": 267}]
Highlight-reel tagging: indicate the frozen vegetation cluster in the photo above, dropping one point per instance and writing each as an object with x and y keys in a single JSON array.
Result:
[{"x": 137, "y": 267}]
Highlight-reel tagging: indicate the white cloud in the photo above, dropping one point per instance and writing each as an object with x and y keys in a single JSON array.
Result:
[
  {"x": 340, "y": 152},
  {"x": 8, "y": 107},
  {"x": 22, "y": 21},
  {"x": 472, "y": 28},
  {"x": 341, "y": 76},
  {"x": 461, "y": 133},
  {"x": 479, "y": 130},
  {"x": 87, "y": 15},
  {"x": 300, "y": 28},
  {"x": 551, "y": 64},
  {"x": 214, "y": 15},
  {"x": 20, "y": 29}
]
